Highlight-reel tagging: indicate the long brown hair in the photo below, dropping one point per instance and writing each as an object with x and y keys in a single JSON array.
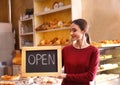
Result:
[{"x": 82, "y": 23}]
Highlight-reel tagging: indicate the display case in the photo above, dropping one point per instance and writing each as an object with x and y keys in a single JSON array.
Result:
[
  {"x": 53, "y": 19},
  {"x": 26, "y": 32},
  {"x": 109, "y": 66}
]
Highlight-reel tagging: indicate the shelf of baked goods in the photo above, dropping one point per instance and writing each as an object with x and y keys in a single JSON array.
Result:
[
  {"x": 105, "y": 78},
  {"x": 105, "y": 57},
  {"x": 53, "y": 10},
  {"x": 108, "y": 60},
  {"x": 54, "y": 32},
  {"x": 52, "y": 29},
  {"x": 54, "y": 41},
  {"x": 108, "y": 66},
  {"x": 19, "y": 80},
  {"x": 107, "y": 43},
  {"x": 53, "y": 37},
  {"x": 53, "y": 19},
  {"x": 53, "y": 26},
  {"x": 43, "y": 8}
]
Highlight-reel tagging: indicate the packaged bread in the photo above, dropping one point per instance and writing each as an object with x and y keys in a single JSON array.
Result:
[
  {"x": 17, "y": 57},
  {"x": 8, "y": 77}
]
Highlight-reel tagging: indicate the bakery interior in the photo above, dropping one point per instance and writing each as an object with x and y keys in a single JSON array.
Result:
[{"x": 32, "y": 23}]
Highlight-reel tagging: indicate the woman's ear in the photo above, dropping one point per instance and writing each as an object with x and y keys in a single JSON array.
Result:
[{"x": 86, "y": 30}]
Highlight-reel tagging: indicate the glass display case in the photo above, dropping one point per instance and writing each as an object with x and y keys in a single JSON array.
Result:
[{"x": 109, "y": 66}]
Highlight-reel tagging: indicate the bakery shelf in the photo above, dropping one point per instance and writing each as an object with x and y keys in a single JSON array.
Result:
[
  {"x": 105, "y": 77},
  {"x": 24, "y": 34},
  {"x": 105, "y": 69},
  {"x": 54, "y": 10},
  {"x": 56, "y": 29},
  {"x": 109, "y": 45},
  {"x": 65, "y": 13},
  {"x": 105, "y": 59},
  {"x": 25, "y": 31},
  {"x": 27, "y": 19}
]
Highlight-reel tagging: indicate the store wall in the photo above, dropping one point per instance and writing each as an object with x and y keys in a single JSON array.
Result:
[
  {"x": 4, "y": 11},
  {"x": 103, "y": 17},
  {"x": 18, "y": 8}
]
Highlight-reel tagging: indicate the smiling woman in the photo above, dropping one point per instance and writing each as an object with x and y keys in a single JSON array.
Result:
[{"x": 80, "y": 59}]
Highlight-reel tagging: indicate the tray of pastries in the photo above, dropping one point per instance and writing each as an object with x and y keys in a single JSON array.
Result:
[{"x": 18, "y": 80}]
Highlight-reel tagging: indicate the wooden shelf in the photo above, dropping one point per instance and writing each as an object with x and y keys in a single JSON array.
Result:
[
  {"x": 27, "y": 19},
  {"x": 24, "y": 34},
  {"x": 65, "y": 13},
  {"x": 105, "y": 69},
  {"x": 105, "y": 59},
  {"x": 56, "y": 29},
  {"x": 54, "y": 10}
]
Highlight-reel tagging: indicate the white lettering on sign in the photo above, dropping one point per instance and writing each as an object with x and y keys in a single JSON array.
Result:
[
  {"x": 44, "y": 59},
  {"x": 31, "y": 57},
  {"x": 51, "y": 59}
]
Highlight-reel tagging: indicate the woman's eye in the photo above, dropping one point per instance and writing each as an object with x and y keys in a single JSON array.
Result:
[{"x": 73, "y": 30}]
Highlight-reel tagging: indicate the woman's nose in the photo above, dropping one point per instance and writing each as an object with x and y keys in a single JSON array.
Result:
[{"x": 71, "y": 33}]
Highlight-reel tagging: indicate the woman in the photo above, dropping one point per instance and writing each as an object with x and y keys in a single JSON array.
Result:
[{"x": 80, "y": 59}]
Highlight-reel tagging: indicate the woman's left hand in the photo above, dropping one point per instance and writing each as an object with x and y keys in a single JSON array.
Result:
[{"x": 62, "y": 76}]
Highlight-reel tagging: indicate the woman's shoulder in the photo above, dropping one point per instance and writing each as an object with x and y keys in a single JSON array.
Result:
[
  {"x": 67, "y": 46},
  {"x": 93, "y": 47}
]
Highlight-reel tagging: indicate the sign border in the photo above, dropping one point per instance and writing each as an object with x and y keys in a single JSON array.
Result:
[{"x": 35, "y": 48}]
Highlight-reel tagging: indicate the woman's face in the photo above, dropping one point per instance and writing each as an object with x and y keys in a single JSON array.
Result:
[{"x": 75, "y": 32}]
